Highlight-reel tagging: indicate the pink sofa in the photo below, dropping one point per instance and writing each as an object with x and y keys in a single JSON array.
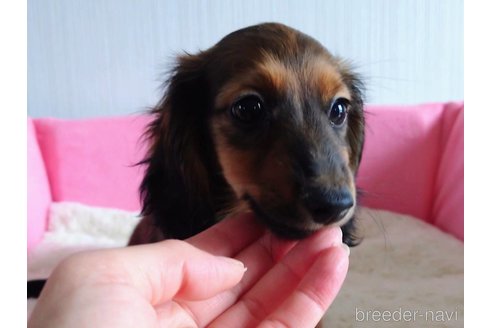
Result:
[{"x": 412, "y": 164}]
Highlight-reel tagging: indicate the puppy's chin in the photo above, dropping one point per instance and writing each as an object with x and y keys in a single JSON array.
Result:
[{"x": 291, "y": 223}]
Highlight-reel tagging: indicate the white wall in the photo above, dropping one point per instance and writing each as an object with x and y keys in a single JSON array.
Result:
[{"x": 105, "y": 57}]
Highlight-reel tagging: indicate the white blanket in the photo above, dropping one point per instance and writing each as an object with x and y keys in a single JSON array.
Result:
[{"x": 405, "y": 273}]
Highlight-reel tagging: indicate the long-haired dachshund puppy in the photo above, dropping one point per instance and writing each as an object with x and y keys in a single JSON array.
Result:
[{"x": 266, "y": 120}]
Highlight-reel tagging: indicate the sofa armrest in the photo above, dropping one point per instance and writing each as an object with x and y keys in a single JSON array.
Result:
[
  {"x": 448, "y": 210},
  {"x": 38, "y": 190}
]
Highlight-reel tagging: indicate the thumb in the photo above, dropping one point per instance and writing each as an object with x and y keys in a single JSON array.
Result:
[
  {"x": 205, "y": 275},
  {"x": 175, "y": 269}
]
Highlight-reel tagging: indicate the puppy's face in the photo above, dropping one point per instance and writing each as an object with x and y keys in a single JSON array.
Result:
[{"x": 287, "y": 126}]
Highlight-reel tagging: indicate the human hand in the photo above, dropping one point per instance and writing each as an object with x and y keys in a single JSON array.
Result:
[{"x": 181, "y": 284}]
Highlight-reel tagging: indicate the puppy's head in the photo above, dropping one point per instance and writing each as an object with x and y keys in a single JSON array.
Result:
[{"x": 271, "y": 117}]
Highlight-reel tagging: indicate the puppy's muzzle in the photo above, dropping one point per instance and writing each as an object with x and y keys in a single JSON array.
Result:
[{"x": 326, "y": 205}]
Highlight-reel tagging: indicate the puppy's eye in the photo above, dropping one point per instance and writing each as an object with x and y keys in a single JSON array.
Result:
[
  {"x": 338, "y": 111},
  {"x": 248, "y": 110}
]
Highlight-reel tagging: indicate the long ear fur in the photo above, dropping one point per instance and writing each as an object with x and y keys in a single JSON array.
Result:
[
  {"x": 355, "y": 136},
  {"x": 181, "y": 187},
  {"x": 355, "y": 133}
]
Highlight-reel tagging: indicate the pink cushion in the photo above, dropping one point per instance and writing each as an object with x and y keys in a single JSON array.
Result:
[
  {"x": 38, "y": 190},
  {"x": 448, "y": 205},
  {"x": 401, "y": 158},
  {"x": 93, "y": 161}
]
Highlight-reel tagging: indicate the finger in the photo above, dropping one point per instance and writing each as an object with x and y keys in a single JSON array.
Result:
[
  {"x": 307, "y": 304},
  {"x": 162, "y": 271},
  {"x": 229, "y": 236},
  {"x": 279, "y": 247},
  {"x": 280, "y": 281},
  {"x": 258, "y": 259}
]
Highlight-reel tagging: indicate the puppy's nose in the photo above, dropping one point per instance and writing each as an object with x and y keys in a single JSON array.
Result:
[{"x": 328, "y": 205}]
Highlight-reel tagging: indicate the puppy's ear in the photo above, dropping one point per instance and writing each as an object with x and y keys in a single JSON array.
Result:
[
  {"x": 176, "y": 189},
  {"x": 356, "y": 122},
  {"x": 355, "y": 139}
]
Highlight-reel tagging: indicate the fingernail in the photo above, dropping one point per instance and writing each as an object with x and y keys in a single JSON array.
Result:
[
  {"x": 234, "y": 262},
  {"x": 346, "y": 248}
]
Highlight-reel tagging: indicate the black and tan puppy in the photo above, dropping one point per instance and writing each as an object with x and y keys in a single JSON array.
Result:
[{"x": 266, "y": 120}]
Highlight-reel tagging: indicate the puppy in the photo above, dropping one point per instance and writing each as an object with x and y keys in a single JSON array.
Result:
[{"x": 267, "y": 120}]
